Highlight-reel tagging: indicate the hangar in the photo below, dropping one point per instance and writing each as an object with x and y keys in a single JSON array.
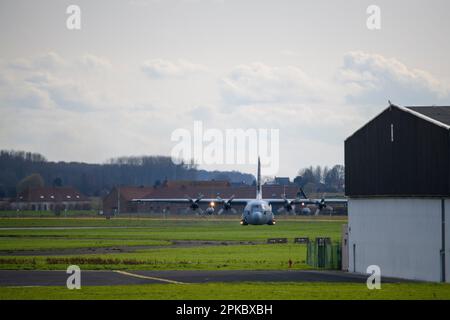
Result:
[{"x": 398, "y": 188}]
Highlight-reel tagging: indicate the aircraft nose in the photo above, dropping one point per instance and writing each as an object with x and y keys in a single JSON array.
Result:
[{"x": 258, "y": 216}]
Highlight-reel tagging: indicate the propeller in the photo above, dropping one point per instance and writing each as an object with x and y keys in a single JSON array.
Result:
[
  {"x": 320, "y": 205},
  {"x": 288, "y": 206},
  {"x": 226, "y": 205},
  {"x": 194, "y": 204},
  {"x": 301, "y": 193}
]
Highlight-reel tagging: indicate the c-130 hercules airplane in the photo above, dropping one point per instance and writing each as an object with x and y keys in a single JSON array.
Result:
[{"x": 257, "y": 211}]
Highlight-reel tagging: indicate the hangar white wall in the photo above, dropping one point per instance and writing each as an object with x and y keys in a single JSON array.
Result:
[
  {"x": 401, "y": 235},
  {"x": 447, "y": 240}
]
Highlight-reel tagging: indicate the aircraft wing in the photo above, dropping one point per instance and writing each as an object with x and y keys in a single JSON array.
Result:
[
  {"x": 282, "y": 201},
  {"x": 306, "y": 201},
  {"x": 179, "y": 200},
  {"x": 240, "y": 200},
  {"x": 187, "y": 201},
  {"x": 336, "y": 200}
]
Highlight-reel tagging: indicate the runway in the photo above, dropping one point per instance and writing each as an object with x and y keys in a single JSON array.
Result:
[{"x": 24, "y": 278}]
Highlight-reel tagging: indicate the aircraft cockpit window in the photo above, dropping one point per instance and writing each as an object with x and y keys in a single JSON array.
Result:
[{"x": 256, "y": 207}]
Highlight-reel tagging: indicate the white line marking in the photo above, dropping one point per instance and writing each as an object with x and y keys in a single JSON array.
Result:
[{"x": 147, "y": 277}]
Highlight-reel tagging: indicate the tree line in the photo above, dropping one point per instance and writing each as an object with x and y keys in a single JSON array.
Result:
[
  {"x": 322, "y": 179},
  {"x": 19, "y": 169}
]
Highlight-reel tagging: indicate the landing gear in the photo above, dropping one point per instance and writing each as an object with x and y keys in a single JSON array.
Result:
[{"x": 271, "y": 223}]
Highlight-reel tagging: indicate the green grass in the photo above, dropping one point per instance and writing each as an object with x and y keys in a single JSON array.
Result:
[
  {"x": 42, "y": 243},
  {"x": 159, "y": 229},
  {"x": 157, "y": 232},
  {"x": 226, "y": 291},
  {"x": 232, "y": 257},
  {"x": 45, "y": 213},
  {"x": 218, "y": 257}
]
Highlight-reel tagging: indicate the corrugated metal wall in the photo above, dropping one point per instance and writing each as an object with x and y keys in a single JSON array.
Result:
[
  {"x": 400, "y": 235},
  {"x": 415, "y": 162}
]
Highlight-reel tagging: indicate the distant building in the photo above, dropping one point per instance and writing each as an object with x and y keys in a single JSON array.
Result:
[
  {"x": 282, "y": 181},
  {"x": 5, "y": 204},
  {"x": 51, "y": 198},
  {"x": 238, "y": 184},
  {"x": 119, "y": 199},
  {"x": 397, "y": 176}
]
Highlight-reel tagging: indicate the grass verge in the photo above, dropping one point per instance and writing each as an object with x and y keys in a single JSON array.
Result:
[
  {"x": 243, "y": 291},
  {"x": 225, "y": 257}
]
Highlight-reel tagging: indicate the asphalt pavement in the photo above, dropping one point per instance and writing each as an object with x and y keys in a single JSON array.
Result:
[{"x": 23, "y": 278}]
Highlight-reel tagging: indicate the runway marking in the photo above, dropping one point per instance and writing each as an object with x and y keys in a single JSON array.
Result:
[{"x": 147, "y": 277}]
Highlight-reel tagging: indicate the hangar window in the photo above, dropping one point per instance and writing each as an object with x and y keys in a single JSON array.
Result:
[{"x": 392, "y": 132}]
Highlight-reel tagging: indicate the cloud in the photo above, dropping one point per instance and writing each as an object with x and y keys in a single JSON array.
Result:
[
  {"x": 47, "y": 61},
  {"x": 49, "y": 81},
  {"x": 160, "y": 68},
  {"x": 373, "y": 79},
  {"x": 258, "y": 83},
  {"x": 364, "y": 79},
  {"x": 83, "y": 108},
  {"x": 202, "y": 113},
  {"x": 88, "y": 108},
  {"x": 94, "y": 62}
]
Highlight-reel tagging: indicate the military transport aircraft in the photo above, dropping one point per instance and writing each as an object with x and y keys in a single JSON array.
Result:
[{"x": 257, "y": 211}]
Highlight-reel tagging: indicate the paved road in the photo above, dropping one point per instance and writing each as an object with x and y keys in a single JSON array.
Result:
[{"x": 102, "y": 278}]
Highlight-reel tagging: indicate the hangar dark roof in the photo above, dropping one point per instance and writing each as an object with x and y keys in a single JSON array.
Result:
[
  {"x": 403, "y": 151},
  {"x": 441, "y": 114}
]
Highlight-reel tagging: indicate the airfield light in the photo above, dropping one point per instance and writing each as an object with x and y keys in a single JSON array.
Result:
[{"x": 212, "y": 204}]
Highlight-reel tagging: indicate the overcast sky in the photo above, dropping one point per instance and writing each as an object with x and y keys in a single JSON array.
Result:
[{"x": 137, "y": 70}]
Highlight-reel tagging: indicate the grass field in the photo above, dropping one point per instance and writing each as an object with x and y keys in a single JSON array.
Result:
[
  {"x": 223, "y": 257},
  {"x": 45, "y": 213},
  {"x": 150, "y": 232},
  {"x": 170, "y": 229},
  {"x": 245, "y": 291},
  {"x": 22, "y": 241}
]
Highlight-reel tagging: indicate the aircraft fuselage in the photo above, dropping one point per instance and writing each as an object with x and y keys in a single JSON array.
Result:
[{"x": 258, "y": 212}]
